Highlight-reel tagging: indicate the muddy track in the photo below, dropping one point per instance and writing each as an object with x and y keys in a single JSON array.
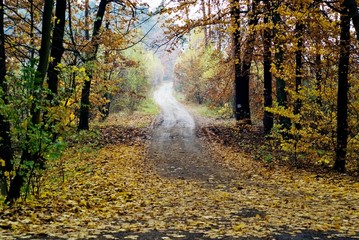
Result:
[{"x": 175, "y": 149}]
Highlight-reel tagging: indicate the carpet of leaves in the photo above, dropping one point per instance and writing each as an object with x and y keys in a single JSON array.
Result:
[{"x": 110, "y": 191}]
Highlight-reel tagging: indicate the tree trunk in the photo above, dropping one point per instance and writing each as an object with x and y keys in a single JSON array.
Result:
[
  {"x": 86, "y": 88},
  {"x": 267, "y": 63},
  {"x": 203, "y": 3},
  {"x": 57, "y": 49},
  {"x": 352, "y": 7},
  {"x": 44, "y": 54},
  {"x": 343, "y": 87},
  {"x": 241, "y": 69},
  {"x": 235, "y": 14},
  {"x": 85, "y": 105},
  {"x": 318, "y": 76},
  {"x": 298, "y": 68},
  {"x": 105, "y": 108},
  {"x": 245, "y": 113},
  {"x": 209, "y": 17},
  {"x": 6, "y": 151},
  {"x": 280, "y": 83},
  {"x": 18, "y": 181}
]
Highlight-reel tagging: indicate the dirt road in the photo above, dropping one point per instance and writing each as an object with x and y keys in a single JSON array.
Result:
[{"x": 175, "y": 149}]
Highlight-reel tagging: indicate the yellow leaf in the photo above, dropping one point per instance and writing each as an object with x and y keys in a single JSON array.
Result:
[{"x": 239, "y": 227}]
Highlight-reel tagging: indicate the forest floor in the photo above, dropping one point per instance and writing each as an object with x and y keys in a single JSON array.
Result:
[{"x": 123, "y": 185}]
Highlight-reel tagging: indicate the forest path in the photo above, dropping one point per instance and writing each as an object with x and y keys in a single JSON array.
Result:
[{"x": 175, "y": 149}]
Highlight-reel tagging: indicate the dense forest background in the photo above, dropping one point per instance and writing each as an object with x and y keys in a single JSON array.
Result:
[
  {"x": 289, "y": 67},
  {"x": 294, "y": 72}
]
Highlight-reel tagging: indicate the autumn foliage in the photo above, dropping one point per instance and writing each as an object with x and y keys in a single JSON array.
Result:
[
  {"x": 64, "y": 63},
  {"x": 296, "y": 55}
]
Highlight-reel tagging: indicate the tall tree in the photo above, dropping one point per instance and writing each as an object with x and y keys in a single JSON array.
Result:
[
  {"x": 203, "y": 3},
  {"x": 343, "y": 87},
  {"x": 267, "y": 63},
  {"x": 57, "y": 48},
  {"x": 6, "y": 151},
  {"x": 352, "y": 7},
  {"x": 245, "y": 113},
  {"x": 278, "y": 61},
  {"x": 44, "y": 55},
  {"x": 241, "y": 86},
  {"x": 298, "y": 64},
  {"x": 85, "y": 95}
]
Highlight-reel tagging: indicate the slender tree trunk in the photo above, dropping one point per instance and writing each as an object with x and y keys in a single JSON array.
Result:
[
  {"x": 203, "y": 3},
  {"x": 86, "y": 88},
  {"x": 318, "y": 76},
  {"x": 298, "y": 67},
  {"x": 6, "y": 151},
  {"x": 32, "y": 39},
  {"x": 18, "y": 181},
  {"x": 245, "y": 113},
  {"x": 44, "y": 56},
  {"x": 267, "y": 64},
  {"x": 105, "y": 108},
  {"x": 57, "y": 49},
  {"x": 238, "y": 107},
  {"x": 219, "y": 30},
  {"x": 352, "y": 7},
  {"x": 280, "y": 83},
  {"x": 209, "y": 28},
  {"x": 343, "y": 87}
]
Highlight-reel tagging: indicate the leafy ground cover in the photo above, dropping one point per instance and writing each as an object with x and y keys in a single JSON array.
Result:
[{"x": 108, "y": 189}]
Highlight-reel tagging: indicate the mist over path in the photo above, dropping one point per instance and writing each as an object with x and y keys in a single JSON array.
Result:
[{"x": 175, "y": 148}]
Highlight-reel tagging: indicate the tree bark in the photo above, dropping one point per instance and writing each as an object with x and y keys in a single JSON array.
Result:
[
  {"x": 318, "y": 76},
  {"x": 280, "y": 83},
  {"x": 203, "y": 3},
  {"x": 343, "y": 87},
  {"x": 267, "y": 64},
  {"x": 18, "y": 181},
  {"x": 209, "y": 16},
  {"x": 57, "y": 49},
  {"x": 44, "y": 56},
  {"x": 86, "y": 89},
  {"x": 298, "y": 67},
  {"x": 235, "y": 14},
  {"x": 6, "y": 151},
  {"x": 352, "y": 7},
  {"x": 245, "y": 113}
]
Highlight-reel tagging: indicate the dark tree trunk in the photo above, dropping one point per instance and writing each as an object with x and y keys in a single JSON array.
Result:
[
  {"x": 318, "y": 76},
  {"x": 209, "y": 28},
  {"x": 85, "y": 105},
  {"x": 342, "y": 104},
  {"x": 280, "y": 83},
  {"x": 218, "y": 29},
  {"x": 352, "y": 7},
  {"x": 241, "y": 68},
  {"x": 235, "y": 12},
  {"x": 6, "y": 151},
  {"x": 44, "y": 56},
  {"x": 57, "y": 49},
  {"x": 245, "y": 113},
  {"x": 203, "y": 3},
  {"x": 86, "y": 88},
  {"x": 267, "y": 62},
  {"x": 298, "y": 68},
  {"x": 105, "y": 108},
  {"x": 18, "y": 181}
]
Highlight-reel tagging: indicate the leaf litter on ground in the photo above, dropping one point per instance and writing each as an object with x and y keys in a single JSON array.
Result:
[{"x": 112, "y": 190}]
